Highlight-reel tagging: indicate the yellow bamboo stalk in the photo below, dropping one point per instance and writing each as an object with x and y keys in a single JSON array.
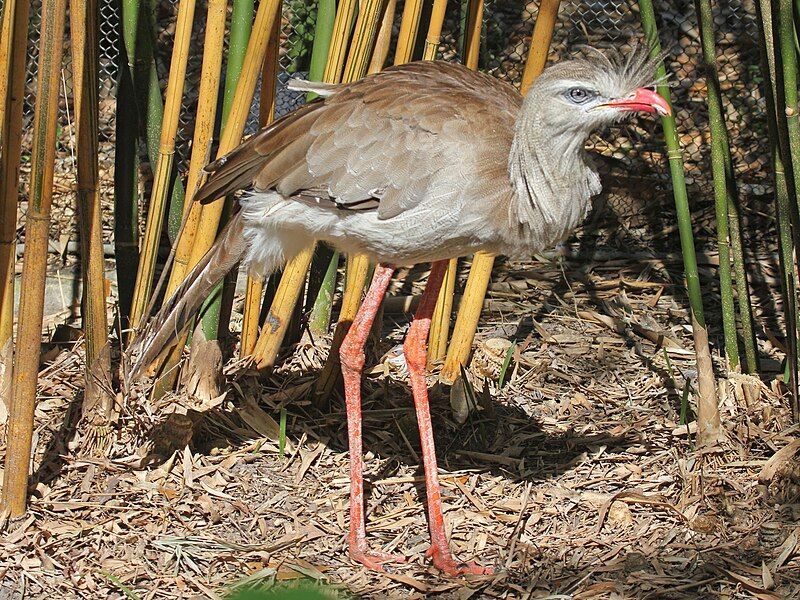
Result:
[
  {"x": 208, "y": 95},
  {"x": 84, "y": 29},
  {"x": 337, "y": 53},
  {"x": 26, "y": 367},
  {"x": 474, "y": 27},
  {"x": 366, "y": 29},
  {"x": 434, "y": 35},
  {"x": 14, "y": 40},
  {"x": 475, "y": 291},
  {"x": 383, "y": 40},
  {"x": 540, "y": 43},
  {"x": 294, "y": 274},
  {"x": 409, "y": 27},
  {"x": 266, "y": 112},
  {"x": 6, "y": 49},
  {"x": 440, "y": 321},
  {"x": 166, "y": 154}
]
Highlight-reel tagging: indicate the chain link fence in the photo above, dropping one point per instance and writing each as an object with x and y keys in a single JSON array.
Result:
[{"x": 634, "y": 151}]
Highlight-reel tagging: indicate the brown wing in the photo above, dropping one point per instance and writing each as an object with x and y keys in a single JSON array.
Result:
[{"x": 388, "y": 137}]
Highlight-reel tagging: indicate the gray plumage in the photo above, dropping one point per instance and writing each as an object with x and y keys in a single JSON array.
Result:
[{"x": 420, "y": 162}]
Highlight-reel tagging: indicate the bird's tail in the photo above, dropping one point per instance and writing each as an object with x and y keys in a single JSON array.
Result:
[{"x": 175, "y": 315}]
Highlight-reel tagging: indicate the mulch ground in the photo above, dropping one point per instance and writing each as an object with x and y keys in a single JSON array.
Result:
[{"x": 575, "y": 479}]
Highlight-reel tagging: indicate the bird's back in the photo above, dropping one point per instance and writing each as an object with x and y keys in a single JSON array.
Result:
[{"x": 387, "y": 142}]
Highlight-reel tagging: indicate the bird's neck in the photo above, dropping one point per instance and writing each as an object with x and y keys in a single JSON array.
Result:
[{"x": 552, "y": 178}]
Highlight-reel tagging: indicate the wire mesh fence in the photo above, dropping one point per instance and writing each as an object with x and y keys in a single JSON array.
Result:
[{"x": 635, "y": 149}]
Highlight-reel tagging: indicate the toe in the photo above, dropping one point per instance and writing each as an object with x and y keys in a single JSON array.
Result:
[{"x": 445, "y": 562}]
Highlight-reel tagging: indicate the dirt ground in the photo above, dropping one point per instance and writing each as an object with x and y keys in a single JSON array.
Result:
[{"x": 576, "y": 479}]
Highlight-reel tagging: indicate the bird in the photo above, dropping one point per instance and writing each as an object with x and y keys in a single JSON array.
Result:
[{"x": 418, "y": 163}]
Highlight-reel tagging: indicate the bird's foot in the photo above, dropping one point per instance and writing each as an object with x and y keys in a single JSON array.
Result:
[
  {"x": 373, "y": 559},
  {"x": 444, "y": 561}
]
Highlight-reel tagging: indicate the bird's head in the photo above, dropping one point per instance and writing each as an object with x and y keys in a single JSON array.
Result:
[{"x": 586, "y": 94}]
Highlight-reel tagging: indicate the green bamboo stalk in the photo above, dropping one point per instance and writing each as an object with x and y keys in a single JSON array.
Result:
[
  {"x": 319, "y": 321},
  {"x": 241, "y": 27},
  {"x": 722, "y": 193},
  {"x": 326, "y": 13},
  {"x": 126, "y": 164},
  {"x": 709, "y": 430},
  {"x": 786, "y": 35},
  {"x": 785, "y": 206},
  {"x": 740, "y": 272}
]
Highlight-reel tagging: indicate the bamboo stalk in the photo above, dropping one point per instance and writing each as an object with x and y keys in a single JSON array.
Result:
[
  {"x": 319, "y": 320},
  {"x": 785, "y": 207},
  {"x": 442, "y": 314},
  {"x": 709, "y": 430},
  {"x": 205, "y": 116},
  {"x": 208, "y": 95},
  {"x": 26, "y": 367},
  {"x": 266, "y": 113},
  {"x": 434, "y": 35},
  {"x": 537, "y": 56},
  {"x": 6, "y": 51},
  {"x": 241, "y": 29},
  {"x": 294, "y": 274},
  {"x": 788, "y": 53},
  {"x": 164, "y": 164},
  {"x": 84, "y": 28},
  {"x": 15, "y": 43},
  {"x": 740, "y": 276},
  {"x": 323, "y": 32},
  {"x": 409, "y": 28},
  {"x": 473, "y": 39},
  {"x": 469, "y": 311},
  {"x": 722, "y": 192},
  {"x": 126, "y": 164},
  {"x": 383, "y": 39},
  {"x": 791, "y": 122}
]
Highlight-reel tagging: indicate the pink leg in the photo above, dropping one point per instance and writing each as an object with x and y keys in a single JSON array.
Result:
[
  {"x": 415, "y": 350},
  {"x": 351, "y": 353}
]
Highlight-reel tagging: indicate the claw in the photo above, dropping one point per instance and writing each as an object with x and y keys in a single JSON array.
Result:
[
  {"x": 374, "y": 559},
  {"x": 445, "y": 562}
]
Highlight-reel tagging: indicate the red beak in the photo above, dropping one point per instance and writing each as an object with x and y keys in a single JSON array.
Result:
[{"x": 643, "y": 100}]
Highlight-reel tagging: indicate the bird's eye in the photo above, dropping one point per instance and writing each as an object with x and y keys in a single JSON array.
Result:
[{"x": 579, "y": 95}]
